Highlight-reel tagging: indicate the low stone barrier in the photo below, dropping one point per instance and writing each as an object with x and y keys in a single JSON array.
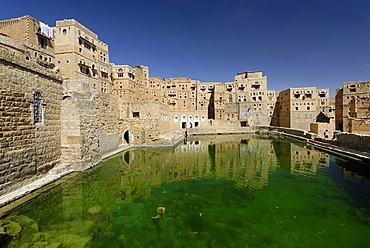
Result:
[
  {"x": 347, "y": 143},
  {"x": 354, "y": 141}
]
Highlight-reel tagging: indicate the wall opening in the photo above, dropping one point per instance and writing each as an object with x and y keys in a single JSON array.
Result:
[
  {"x": 126, "y": 137},
  {"x": 37, "y": 107}
]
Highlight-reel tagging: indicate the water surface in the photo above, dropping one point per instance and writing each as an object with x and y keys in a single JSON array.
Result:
[{"x": 217, "y": 191}]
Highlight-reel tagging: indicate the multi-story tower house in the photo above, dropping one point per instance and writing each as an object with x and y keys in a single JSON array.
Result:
[
  {"x": 256, "y": 102},
  {"x": 81, "y": 55},
  {"x": 207, "y": 95},
  {"x": 352, "y": 93},
  {"x": 182, "y": 99},
  {"x": 142, "y": 79},
  {"x": 155, "y": 90},
  {"x": 226, "y": 105},
  {"x": 182, "y": 89},
  {"x": 359, "y": 121},
  {"x": 37, "y": 36},
  {"x": 297, "y": 108},
  {"x": 181, "y": 96},
  {"x": 339, "y": 109},
  {"x": 123, "y": 82},
  {"x": 325, "y": 106},
  {"x": 129, "y": 83}
]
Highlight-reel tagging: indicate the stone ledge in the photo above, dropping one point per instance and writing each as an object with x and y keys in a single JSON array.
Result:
[
  {"x": 9, "y": 200},
  {"x": 328, "y": 146},
  {"x": 48, "y": 178}
]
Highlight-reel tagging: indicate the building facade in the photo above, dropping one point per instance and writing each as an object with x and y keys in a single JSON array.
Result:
[
  {"x": 298, "y": 107},
  {"x": 352, "y": 108},
  {"x": 30, "y": 114},
  {"x": 64, "y": 103}
]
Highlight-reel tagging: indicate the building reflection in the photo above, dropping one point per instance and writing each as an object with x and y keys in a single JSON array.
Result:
[
  {"x": 306, "y": 161},
  {"x": 299, "y": 158},
  {"x": 91, "y": 198},
  {"x": 245, "y": 160}
]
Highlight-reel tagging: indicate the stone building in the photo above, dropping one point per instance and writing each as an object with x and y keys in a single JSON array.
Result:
[
  {"x": 30, "y": 111},
  {"x": 37, "y": 36},
  {"x": 129, "y": 83},
  {"x": 64, "y": 103},
  {"x": 244, "y": 102},
  {"x": 359, "y": 120},
  {"x": 256, "y": 102},
  {"x": 348, "y": 100},
  {"x": 79, "y": 54},
  {"x": 299, "y": 107}
]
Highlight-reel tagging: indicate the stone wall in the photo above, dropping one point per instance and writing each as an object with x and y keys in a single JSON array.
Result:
[
  {"x": 80, "y": 130},
  {"x": 320, "y": 127},
  {"x": 108, "y": 142},
  {"x": 95, "y": 124},
  {"x": 359, "y": 126},
  {"x": 354, "y": 141},
  {"x": 27, "y": 148},
  {"x": 297, "y": 132}
]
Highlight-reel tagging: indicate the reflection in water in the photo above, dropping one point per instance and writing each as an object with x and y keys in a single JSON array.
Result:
[
  {"x": 299, "y": 158},
  {"x": 128, "y": 157},
  {"x": 218, "y": 191}
]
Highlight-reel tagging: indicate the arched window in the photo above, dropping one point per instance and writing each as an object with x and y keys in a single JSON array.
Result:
[{"x": 176, "y": 118}]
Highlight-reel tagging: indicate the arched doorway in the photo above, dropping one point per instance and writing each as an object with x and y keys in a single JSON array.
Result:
[
  {"x": 183, "y": 122},
  {"x": 127, "y": 137},
  {"x": 190, "y": 121},
  {"x": 196, "y": 120}
]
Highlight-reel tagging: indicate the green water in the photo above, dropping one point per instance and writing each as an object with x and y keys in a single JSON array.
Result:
[{"x": 217, "y": 191}]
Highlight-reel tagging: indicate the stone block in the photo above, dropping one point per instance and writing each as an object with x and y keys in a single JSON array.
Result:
[{"x": 74, "y": 140}]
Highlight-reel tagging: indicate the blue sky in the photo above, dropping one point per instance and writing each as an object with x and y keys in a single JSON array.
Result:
[{"x": 320, "y": 43}]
